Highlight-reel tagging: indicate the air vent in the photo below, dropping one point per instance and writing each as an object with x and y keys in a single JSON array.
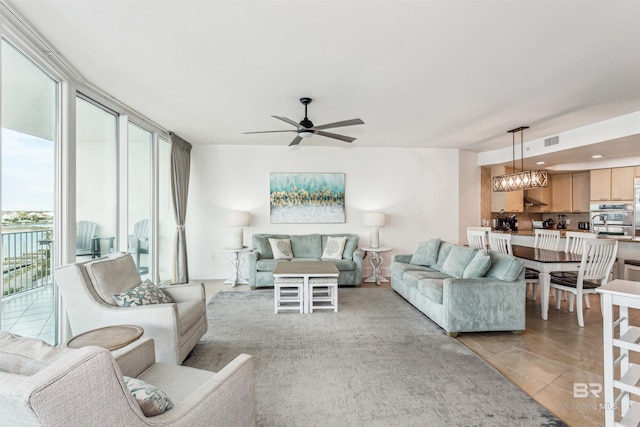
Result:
[{"x": 552, "y": 141}]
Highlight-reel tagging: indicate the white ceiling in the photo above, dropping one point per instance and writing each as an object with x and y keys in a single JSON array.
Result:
[{"x": 439, "y": 73}]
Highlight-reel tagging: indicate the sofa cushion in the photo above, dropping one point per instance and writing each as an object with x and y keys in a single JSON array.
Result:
[
  {"x": 427, "y": 253},
  {"x": 266, "y": 264},
  {"x": 504, "y": 267},
  {"x": 412, "y": 278},
  {"x": 443, "y": 253},
  {"x": 344, "y": 264},
  {"x": 26, "y": 356},
  {"x": 478, "y": 266},
  {"x": 113, "y": 275},
  {"x": 145, "y": 293},
  {"x": 350, "y": 247},
  {"x": 457, "y": 260},
  {"x": 399, "y": 268},
  {"x": 306, "y": 246},
  {"x": 281, "y": 248},
  {"x": 334, "y": 247},
  {"x": 432, "y": 289},
  {"x": 151, "y": 399}
]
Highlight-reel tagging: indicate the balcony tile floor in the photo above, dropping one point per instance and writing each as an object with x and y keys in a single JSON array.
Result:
[{"x": 31, "y": 313}]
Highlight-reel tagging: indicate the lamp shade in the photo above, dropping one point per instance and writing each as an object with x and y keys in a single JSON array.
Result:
[
  {"x": 238, "y": 219},
  {"x": 374, "y": 219}
]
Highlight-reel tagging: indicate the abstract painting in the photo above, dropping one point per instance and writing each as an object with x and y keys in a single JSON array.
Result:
[{"x": 297, "y": 198}]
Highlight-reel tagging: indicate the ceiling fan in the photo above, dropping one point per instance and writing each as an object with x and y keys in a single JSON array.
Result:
[{"x": 306, "y": 129}]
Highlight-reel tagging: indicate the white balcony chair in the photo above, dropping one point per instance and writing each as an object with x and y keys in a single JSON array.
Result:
[
  {"x": 544, "y": 239},
  {"x": 598, "y": 256},
  {"x": 500, "y": 242},
  {"x": 477, "y": 237}
]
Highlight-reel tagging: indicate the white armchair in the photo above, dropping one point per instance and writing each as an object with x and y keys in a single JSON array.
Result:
[
  {"x": 51, "y": 386},
  {"x": 87, "y": 290}
]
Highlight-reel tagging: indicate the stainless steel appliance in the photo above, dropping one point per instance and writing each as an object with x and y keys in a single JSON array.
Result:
[
  {"x": 615, "y": 218},
  {"x": 636, "y": 201}
]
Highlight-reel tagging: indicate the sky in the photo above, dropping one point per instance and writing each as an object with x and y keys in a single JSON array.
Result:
[{"x": 27, "y": 172}]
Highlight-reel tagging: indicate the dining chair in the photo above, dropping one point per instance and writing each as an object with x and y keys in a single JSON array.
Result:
[
  {"x": 500, "y": 242},
  {"x": 574, "y": 242},
  {"x": 477, "y": 237},
  {"x": 598, "y": 256},
  {"x": 544, "y": 239}
]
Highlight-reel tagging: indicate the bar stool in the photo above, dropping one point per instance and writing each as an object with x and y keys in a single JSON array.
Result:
[
  {"x": 323, "y": 293},
  {"x": 288, "y": 294},
  {"x": 629, "y": 265}
]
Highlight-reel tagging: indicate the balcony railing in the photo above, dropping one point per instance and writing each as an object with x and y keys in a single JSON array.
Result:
[{"x": 26, "y": 262}]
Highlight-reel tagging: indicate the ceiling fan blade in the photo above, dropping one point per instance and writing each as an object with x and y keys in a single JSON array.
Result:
[
  {"x": 296, "y": 141},
  {"x": 271, "y": 131},
  {"x": 335, "y": 136},
  {"x": 284, "y": 119},
  {"x": 340, "y": 124}
]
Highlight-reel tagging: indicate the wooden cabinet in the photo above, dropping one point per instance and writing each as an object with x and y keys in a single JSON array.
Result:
[
  {"x": 580, "y": 189},
  {"x": 561, "y": 193},
  {"x": 612, "y": 184},
  {"x": 637, "y": 170},
  {"x": 510, "y": 201},
  {"x": 570, "y": 192},
  {"x": 542, "y": 195},
  {"x": 622, "y": 183}
]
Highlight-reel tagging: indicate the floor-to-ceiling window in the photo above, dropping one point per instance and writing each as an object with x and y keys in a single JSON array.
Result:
[
  {"x": 29, "y": 142},
  {"x": 140, "y": 143},
  {"x": 97, "y": 179}
]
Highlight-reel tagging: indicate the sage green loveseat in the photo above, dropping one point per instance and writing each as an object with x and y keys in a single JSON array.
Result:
[
  {"x": 305, "y": 247},
  {"x": 462, "y": 289}
]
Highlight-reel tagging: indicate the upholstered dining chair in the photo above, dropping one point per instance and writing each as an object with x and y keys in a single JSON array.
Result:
[
  {"x": 500, "y": 242},
  {"x": 477, "y": 237},
  {"x": 543, "y": 239},
  {"x": 598, "y": 256}
]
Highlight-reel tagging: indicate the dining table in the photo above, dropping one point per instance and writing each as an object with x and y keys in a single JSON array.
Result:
[{"x": 545, "y": 261}]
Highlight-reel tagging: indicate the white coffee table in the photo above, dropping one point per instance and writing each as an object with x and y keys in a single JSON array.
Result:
[{"x": 306, "y": 269}]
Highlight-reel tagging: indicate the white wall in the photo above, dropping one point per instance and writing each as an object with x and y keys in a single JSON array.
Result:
[{"x": 418, "y": 189}]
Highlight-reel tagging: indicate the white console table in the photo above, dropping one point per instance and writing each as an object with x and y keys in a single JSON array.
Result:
[
  {"x": 625, "y": 294},
  {"x": 236, "y": 262},
  {"x": 376, "y": 261}
]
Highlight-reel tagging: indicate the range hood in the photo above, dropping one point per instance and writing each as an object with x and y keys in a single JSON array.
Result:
[{"x": 531, "y": 202}]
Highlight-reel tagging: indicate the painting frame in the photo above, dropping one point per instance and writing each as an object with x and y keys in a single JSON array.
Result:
[{"x": 307, "y": 198}]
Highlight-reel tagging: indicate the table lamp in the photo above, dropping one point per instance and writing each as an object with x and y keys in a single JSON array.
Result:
[
  {"x": 238, "y": 219},
  {"x": 375, "y": 220}
]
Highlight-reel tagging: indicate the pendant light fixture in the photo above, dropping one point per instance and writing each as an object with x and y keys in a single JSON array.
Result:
[{"x": 522, "y": 180}]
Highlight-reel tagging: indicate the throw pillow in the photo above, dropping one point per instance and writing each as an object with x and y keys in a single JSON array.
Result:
[
  {"x": 281, "y": 248},
  {"x": 143, "y": 294},
  {"x": 427, "y": 253},
  {"x": 457, "y": 260},
  {"x": 152, "y": 400},
  {"x": 478, "y": 266},
  {"x": 334, "y": 247}
]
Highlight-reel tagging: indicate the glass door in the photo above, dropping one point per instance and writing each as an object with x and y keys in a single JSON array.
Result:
[{"x": 29, "y": 140}]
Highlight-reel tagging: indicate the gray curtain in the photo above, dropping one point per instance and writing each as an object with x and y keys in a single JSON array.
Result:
[{"x": 180, "y": 169}]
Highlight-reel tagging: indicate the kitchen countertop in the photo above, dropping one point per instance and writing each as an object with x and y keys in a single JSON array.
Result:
[{"x": 635, "y": 239}]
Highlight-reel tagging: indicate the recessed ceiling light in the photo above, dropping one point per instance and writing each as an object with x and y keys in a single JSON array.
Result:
[
  {"x": 539, "y": 163},
  {"x": 596, "y": 156}
]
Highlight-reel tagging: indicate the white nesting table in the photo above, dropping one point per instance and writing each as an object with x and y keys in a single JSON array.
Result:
[
  {"x": 236, "y": 262},
  {"x": 306, "y": 269},
  {"x": 376, "y": 261}
]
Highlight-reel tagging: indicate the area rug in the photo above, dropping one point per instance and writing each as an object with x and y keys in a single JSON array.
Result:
[{"x": 377, "y": 362}]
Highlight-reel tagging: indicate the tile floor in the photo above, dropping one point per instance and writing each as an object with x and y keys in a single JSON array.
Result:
[{"x": 545, "y": 361}]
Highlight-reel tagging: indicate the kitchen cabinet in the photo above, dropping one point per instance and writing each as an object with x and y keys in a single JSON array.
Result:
[
  {"x": 637, "y": 170},
  {"x": 542, "y": 195},
  {"x": 612, "y": 184},
  {"x": 570, "y": 192},
  {"x": 580, "y": 191},
  {"x": 561, "y": 193},
  {"x": 510, "y": 201}
]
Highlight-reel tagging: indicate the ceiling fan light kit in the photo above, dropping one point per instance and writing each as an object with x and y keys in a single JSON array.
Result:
[
  {"x": 306, "y": 129},
  {"x": 522, "y": 180}
]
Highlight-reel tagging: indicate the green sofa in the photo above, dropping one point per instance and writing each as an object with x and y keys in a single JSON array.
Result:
[
  {"x": 305, "y": 247},
  {"x": 462, "y": 289}
]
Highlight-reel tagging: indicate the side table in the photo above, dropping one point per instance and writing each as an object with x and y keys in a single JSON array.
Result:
[
  {"x": 109, "y": 337},
  {"x": 236, "y": 262},
  {"x": 376, "y": 261}
]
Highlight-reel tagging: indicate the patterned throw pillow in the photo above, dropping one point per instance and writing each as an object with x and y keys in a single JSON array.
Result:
[
  {"x": 334, "y": 247},
  {"x": 151, "y": 399},
  {"x": 281, "y": 248},
  {"x": 143, "y": 294}
]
